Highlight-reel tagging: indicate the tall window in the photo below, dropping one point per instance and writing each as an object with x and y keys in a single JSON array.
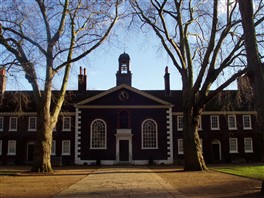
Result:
[
  {"x": 1, "y": 123},
  {"x": 53, "y": 147},
  {"x": 123, "y": 120},
  {"x": 66, "y": 147},
  {"x": 247, "y": 122},
  {"x": 248, "y": 145},
  {"x": 215, "y": 122},
  {"x": 233, "y": 145},
  {"x": 66, "y": 125},
  {"x": 11, "y": 150},
  {"x": 98, "y": 134},
  {"x": 0, "y": 147},
  {"x": 179, "y": 123},
  {"x": 13, "y": 124},
  {"x": 149, "y": 134},
  {"x": 232, "y": 122},
  {"x": 32, "y": 124},
  {"x": 180, "y": 146}
]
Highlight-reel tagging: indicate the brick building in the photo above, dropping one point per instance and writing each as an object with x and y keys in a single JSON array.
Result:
[{"x": 127, "y": 125}]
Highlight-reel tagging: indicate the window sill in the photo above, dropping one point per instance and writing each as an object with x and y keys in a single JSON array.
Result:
[
  {"x": 11, "y": 154},
  {"x": 249, "y": 151},
  {"x": 233, "y": 152},
  {"x": 65, "y": 154}
]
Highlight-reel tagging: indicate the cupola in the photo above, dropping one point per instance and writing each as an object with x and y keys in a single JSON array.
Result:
[{"x": 123, "y": 75}]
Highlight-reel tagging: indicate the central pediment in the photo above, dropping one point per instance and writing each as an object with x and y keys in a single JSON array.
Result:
[{"x": 123, "y": 95}]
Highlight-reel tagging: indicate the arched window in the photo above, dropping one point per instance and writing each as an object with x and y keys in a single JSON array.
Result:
[
  {"x": 149, "y": 134},
  {"x": 98, "y": 134}
]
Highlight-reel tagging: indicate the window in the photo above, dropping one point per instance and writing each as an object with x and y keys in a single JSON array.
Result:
[
  {"x": 11, "y": 147},
  {"x": 66, "y": 147},
  {"x": 32, "y": 124},
  {"x": 13, "y": 124},
  {"x": 1, "y": 123},
  {"x": 233, "y": 145},
  {"x": 247, "y": 122},
  {"x": 232, "y": 122},
  {"x": 215, "y": 122},
  {"x": 180, "y": 146},
  {"x": 66, "y": 125},
  {"x": 248, "y": 145},
  {"x": 0, "y": 147},
  {"x": 179, "y": 123},
  {"x": 149, "y": 134},
  {"x": 53, "y": 147},
  {"x": 98, "y": 134},
  {"x": 200, "y": 123}
]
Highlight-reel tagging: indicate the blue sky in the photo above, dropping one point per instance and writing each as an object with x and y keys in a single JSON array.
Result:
[{"x": 147, "y": 64}]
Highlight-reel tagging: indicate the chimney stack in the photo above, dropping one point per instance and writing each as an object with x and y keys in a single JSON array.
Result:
[
  {"x": 167, "y": 82},
  {"x": 2, "y": 80},
  {"x": 82, "y": 78}
]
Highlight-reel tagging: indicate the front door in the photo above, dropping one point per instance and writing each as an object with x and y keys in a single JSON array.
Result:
[
  {"x": 30, "y": 152},
  {"x": 123, "y": 150}
]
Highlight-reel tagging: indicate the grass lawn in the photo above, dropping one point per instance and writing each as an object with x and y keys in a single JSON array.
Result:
[{"x": 250, "y": 171}]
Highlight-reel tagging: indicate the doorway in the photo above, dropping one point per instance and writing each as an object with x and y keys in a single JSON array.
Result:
[
  {"x": 30, "y": 152},
  {"x": 123, "y": 150},
  {"x": 216, "y": 151}
]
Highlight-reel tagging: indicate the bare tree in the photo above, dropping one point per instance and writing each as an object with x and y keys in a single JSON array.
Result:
[
  {"x": 205, "y": 43},
  {"x": 44, "y": 38},
  {"x": 256, "y": 67}
]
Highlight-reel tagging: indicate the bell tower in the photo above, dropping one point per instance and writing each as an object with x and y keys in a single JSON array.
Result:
[{"x": 123, "y": 75}]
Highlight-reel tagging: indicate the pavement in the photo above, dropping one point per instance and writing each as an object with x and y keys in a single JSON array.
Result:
[{"x": 121, "y": 182}]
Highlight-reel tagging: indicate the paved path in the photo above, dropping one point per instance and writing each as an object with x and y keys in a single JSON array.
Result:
[{"x": 139, "y": 182}]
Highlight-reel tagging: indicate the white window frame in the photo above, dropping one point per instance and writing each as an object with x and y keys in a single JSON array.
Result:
[
  {"x": 102, "y": 137},
  {"x": 249, "y": 122},
  {"x": 143, "y": 132},
  {"x": 53, "y": 147},
  {"x": 180, "y": 147},
  {"x": 1, "y": 123},
  {"x": 180, "y": 123},
  {"x": 251, "y": 145},
  {"x": 200, "y": 123},
  {"x": 1, "y": 144},
  {"x": 68, "y": 128},
  {"x": 230, "y": 127},
  {"x": 11, "y": 119},
  {"x": 11, "y": 150},
  {"x": 230, "y": 146},
  {"x": 63, "y": 152},
  {"x": 211, "y": 122},
  {"x": 30, "y": 119}
]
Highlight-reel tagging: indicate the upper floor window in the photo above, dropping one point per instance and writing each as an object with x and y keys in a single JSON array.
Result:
[
  {"x": 179, "y": 123},
  {"x": 232, "y": 125},
  {"x": 13, "y": 124},
  {"x": 32, "y": 124},
  {"x": 233, "y": 148},
  {"x": 66, "y": 147},
  {"x": 66, "y": 125},
  {"x": 149, "y": 134},
  {"x": 1, "y": 123},
  {"x": 214, "y": 122},
  {"x": 11, "y": 150},
  {"x": 200, "y": 123},
  {"x": 180, "y": 146},
  {"x": 98, "y": 134},
  {"x": 248, "y": 145},
  {"x": 247, "y": 122}
]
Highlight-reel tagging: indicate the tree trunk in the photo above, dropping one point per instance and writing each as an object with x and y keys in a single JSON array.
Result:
[
  {"x": 42, "y": 150},
  {"x": 193, "y": 155}
]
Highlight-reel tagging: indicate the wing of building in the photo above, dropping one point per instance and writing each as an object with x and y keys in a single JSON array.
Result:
[{"x": 127, "y": 125}]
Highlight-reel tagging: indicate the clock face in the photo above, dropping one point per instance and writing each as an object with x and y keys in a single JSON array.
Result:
[{"x": 123, "y": 96}]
